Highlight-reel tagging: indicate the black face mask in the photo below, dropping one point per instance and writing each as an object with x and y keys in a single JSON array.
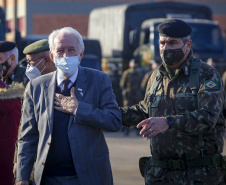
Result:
[
  {"x": 5, "y": 67},
  {"x": 172, "y": 56}
]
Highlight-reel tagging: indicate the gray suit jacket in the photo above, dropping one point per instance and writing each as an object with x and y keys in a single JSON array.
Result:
[{"x": 97, "y": 110}]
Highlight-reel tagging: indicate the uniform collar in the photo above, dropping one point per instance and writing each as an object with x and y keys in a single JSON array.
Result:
[{"x": 185, "y": 67}]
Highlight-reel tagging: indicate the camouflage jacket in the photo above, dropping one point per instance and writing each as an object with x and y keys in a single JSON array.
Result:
[
  {"x": 191, "y": 125},
  {"x": 131, "y": 80},
  {"x": 130, "y": 85}
]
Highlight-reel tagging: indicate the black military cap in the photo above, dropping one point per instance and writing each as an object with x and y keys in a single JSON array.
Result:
[
  {"x": 174, "y": 28},
  {"x": 37, "y": 47},
  {"x": 6, "y": 46}
]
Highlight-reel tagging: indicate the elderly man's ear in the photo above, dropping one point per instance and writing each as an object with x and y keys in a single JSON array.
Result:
[{"x": 51, "y": 56}]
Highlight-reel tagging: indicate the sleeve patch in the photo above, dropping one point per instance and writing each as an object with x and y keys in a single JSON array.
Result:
[{"x": 211, "y": 84}]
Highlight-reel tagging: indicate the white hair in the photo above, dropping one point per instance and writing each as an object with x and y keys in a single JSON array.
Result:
[
  {"x": 13, "y": 52},
  {"x": 66, "y": 30}
]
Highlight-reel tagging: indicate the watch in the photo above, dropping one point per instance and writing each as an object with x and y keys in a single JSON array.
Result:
[{"x": 169, "y": 120}]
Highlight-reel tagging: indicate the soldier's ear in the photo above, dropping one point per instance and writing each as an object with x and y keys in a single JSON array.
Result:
[
  {"x": 189, "y": 42},
  {"x": 12, "y": 58}
]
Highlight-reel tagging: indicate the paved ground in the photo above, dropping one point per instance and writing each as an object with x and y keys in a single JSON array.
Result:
[{"x": 124, "y": 154}]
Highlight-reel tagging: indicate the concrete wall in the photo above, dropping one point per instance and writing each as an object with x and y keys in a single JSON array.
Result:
[{"x": 44, "y": 16}]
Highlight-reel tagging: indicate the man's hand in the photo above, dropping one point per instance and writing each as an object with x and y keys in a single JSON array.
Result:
[
  {"x": 22, "y": 183},
  {"x": 14, "y": 170},
  {"x": 67, "y": 104},
  {"x": 152, "y": 126}
]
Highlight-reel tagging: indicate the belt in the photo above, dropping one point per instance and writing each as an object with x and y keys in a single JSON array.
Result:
[{"x": 182, "y": 164}]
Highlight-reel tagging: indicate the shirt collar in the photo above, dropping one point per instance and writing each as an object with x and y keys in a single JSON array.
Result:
[{"x": 73, "y": 78}]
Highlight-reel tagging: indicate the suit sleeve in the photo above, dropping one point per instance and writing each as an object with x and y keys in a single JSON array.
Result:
[
  {"x": 27, "y": 144},
  {"x": 107, "y": 116}
]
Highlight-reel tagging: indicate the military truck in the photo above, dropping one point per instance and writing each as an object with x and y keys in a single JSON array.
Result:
[
  {"x": 122, "y": 35},
  {"x": 92, "y": 55}
]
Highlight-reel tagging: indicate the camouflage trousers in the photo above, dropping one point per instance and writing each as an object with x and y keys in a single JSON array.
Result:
[{"x": 191, "y": 176}]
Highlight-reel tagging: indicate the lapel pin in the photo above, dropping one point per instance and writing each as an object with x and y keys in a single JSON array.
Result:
[
  {"x": 81, "y": 93},
  {"x": 79, "y": 89}
]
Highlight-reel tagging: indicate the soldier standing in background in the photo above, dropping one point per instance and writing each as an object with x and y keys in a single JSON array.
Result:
[
  {"x": 153, "y": 66},
  {"x": 181, "y": 113},
  {"x": 39, "y": 62},
  {"x": 115, "y": 77},
  {"x": 211, "y": 62},
  {"x": 130, "y": 84},
  {"x": 12, "y": 72}
]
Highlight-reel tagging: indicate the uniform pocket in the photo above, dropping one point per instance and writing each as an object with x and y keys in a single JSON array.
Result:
[
  {"x": 184, "y": 103},
  {"x": 154, "y": 105},
  {"x": 164, "y": 148}
]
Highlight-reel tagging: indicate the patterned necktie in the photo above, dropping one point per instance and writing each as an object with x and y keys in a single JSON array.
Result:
[{"x": 65, "y": 85}]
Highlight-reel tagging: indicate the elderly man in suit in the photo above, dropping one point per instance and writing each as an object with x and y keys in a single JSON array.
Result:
[{"x": 63, "y": 118}]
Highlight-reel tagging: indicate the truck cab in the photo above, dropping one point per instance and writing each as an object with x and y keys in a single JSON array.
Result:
[
  {"x": 92, "y": 54},
  {"x": 118, "y": 27}
]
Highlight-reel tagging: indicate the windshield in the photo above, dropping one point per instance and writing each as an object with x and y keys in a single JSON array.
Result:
[{"x": 205, "y": 36}]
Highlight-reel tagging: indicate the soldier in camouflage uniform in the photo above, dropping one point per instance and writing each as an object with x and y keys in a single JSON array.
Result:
[
  {"x": 115, "y": 76},
  {"x": 181, "y": 117},
  {"x": 12, "y": 72},
  {"x": 130, "y": 84},
  {"x": 153, "y": 66}
]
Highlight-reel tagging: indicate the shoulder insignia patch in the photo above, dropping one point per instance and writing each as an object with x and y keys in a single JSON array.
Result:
[{"x": 211, "y": 84}]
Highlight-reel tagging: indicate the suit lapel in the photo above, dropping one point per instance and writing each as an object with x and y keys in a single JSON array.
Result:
[
  {"x": 80, "y": 88},
  {"x": 81, "y": 84},
  {"x": 49, "y": 99}
]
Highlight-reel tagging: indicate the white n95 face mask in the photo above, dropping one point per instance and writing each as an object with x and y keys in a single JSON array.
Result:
[
  {"x": 67, "y": 66},
  {"x": 32, "y": 72}
]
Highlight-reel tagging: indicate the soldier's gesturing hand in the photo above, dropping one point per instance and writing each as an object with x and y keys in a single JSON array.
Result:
[{"x": 152, "y": 126}]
